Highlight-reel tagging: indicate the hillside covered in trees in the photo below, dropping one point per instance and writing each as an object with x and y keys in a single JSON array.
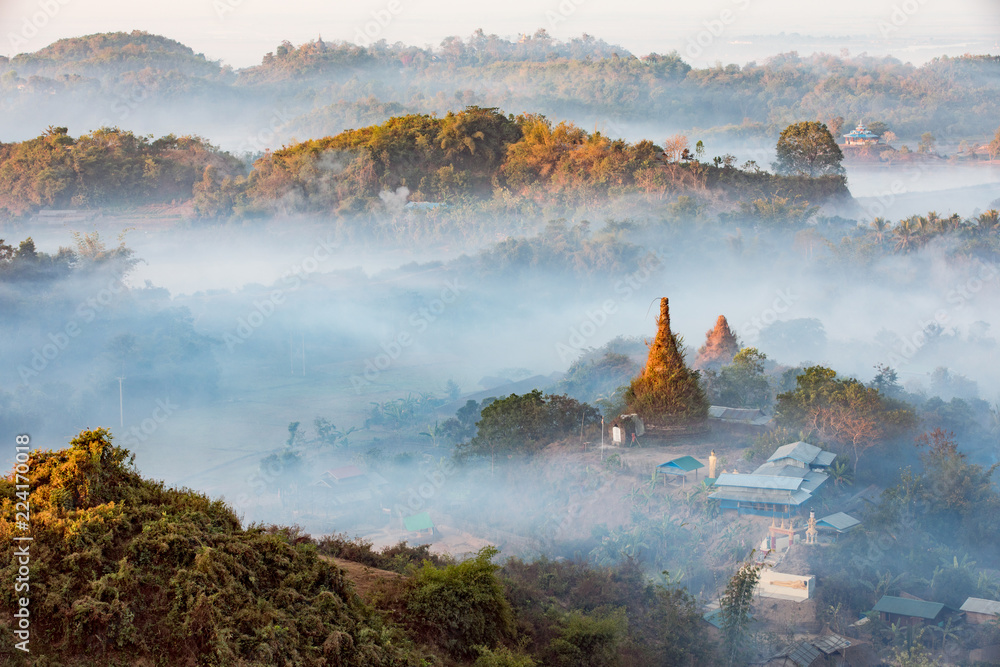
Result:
[
  {"x": 124, "y": 569},
  {"x": 474, "y": 154},
  {"x": 321, "y": 87}
]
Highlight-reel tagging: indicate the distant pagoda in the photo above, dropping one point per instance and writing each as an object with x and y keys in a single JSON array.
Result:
[
  {"x": 860, "y": 136},
  {"x": 667, "y": 393},
  {"x": 719, "y": 349}
]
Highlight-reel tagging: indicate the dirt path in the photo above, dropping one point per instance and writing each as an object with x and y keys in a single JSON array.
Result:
[{"x": 366, "y": 579}]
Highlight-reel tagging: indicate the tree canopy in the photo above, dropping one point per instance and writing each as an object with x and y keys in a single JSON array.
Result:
[
  {"x": 843, "y": 411},
  {"x": 808, "y": 149},
  {"x": 523, "y": 424}
]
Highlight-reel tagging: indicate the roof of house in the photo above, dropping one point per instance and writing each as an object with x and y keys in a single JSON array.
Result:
[
  {"x": 802, "y": 653},
  {"x": 831, "y": 643},
  {"x": 981, "y": 606},
  {"x": 344, "y": 472},
  {"x": 681, "y": 465},
  {"x": 800, "y": 451},
  {"x": 758, "y": 481},
  {"x": 779, "y": 469},
  {"x": 839, "y": 521},
  {"x": 776, "y": 496},
  {"x": 906, "y": 607},
  {"x": 824, "y": 459},
  {"x": 418, "y": 522},
  {"x": 751, "y": 416}
]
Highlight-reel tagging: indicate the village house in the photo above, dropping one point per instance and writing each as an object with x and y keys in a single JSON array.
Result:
[
  {"x": 779, "y": 487},
  {"x": 908, "y": 611},
  {"x": 979, "y": 611}
]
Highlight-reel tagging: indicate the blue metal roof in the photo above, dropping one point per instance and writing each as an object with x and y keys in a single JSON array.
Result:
[
  {"x": 800, "y": 451},
  {"x": 758, "y": 481},
  {"x": 861, "y": 132},
  {"x": 681, "y": 465},
  {"x": 839, "y": 522}
]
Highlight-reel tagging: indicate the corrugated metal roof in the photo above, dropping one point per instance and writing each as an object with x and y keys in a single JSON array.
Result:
[
  {"x": 800, "y": 451},
  {"x": 738, "y": 415},
  {"x": 831, "y": 643},
  {"x": 758, "y": 481},
  {"x": 905, "y": 607},
  {"x": 418, "y": 522},
  {"x": 800, "y": 497},
  {"x": 681, "y": 465},
  {"x": 839, "y": 521},
  {"x": 776, "y": 496},
  {"x": 345, "y": 472},
  {"x": 802, "y": 654},
  {"x": 813, "y": 480},
  {"x": 779, "y": 470},
  {"x": 824, "y": 459},
  {"x": 982, "y": 606}
]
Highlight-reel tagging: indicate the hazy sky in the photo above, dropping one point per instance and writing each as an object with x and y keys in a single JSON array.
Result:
[{"x": 239, "y": 32}]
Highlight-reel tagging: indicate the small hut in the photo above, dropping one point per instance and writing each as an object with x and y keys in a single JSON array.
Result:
[
  {"x": 979, "y": 611},
  {"x": 680, "y": 467}
]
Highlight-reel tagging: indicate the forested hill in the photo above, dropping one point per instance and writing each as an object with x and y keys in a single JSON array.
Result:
[
  {"x": 111, "y": 54},
  {"x": 127, "y": 571},
  {"x": 323, "y": 87},
  {"x": 107, "y": 167},
  {"x": 474, "y": 155}
]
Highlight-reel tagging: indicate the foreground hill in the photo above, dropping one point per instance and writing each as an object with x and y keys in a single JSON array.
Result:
[
  {"x": 125, "y": 571},
  {"x": 122, "y": 570}
]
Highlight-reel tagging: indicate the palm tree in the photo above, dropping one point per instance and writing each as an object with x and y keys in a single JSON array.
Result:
[
  {"x": 988, "y": 222},
  {"x": 841, "y": 473},
  {"x": 906, "y": 235},
  {"x": 880, "y": 226},
  {"x": 884, "y": 583}
]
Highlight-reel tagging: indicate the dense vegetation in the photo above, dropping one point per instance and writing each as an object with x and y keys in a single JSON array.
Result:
[
  {"x": 475, "y": 154},
  {"x": 583, "y": 77},
  {"x": 108, "y": 167},
  {"x": 523, "y": 425},
  {"x": 125, "y": 569}
]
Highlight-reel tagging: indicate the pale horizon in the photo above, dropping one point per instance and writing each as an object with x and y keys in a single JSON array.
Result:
[{"x": 240, "y": 32}]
